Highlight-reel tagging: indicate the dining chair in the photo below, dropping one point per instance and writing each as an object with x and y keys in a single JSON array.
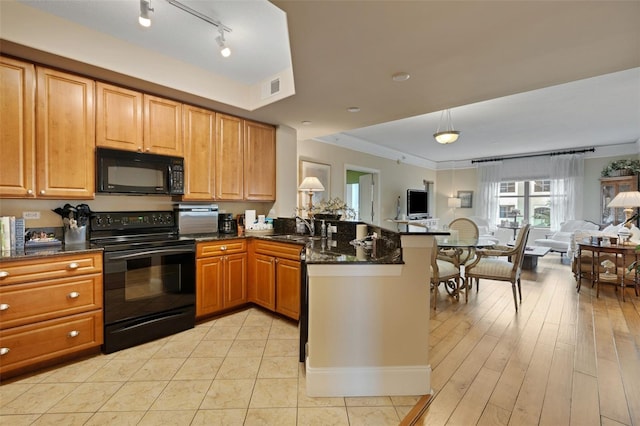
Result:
[
  {"x": 444, "y": 271},
  {"x": 466, "y": 229},
  {"x": 501, "y": 263}
]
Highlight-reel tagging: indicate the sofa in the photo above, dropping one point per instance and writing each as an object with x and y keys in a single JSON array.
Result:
[
  {"x": 485, "y": 230},
  {"x": 561, "y": 240}
]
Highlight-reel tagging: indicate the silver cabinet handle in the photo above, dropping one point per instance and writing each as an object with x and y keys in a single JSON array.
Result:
[
  {"x": 73, "y": 333},
  {"x": 4, "y": 306},
  {"x": 29, "y": 191},
  {"x": 223, "y": 248},
  {"x": 74, "y": 265},
  {"x": 4, "y": 274},
  {"x": 42, "y": 192},
  {"x": 74, "y": 295},
  {"x": 4, "y": 351}
]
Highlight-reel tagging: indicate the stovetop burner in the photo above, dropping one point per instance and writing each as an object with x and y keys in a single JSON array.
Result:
[{"x": 128, "y": 230}]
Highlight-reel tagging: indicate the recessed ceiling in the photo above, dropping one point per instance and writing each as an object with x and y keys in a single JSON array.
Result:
[{"x": 518, "y": 77}]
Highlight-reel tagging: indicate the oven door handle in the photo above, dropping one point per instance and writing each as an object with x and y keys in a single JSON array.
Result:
[{"x": 151, "y": 252}]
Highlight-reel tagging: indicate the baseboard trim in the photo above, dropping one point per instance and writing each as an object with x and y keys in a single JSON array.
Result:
[{"x": 368, "y": 381}]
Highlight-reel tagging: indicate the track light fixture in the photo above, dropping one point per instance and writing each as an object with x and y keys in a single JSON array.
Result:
[
  {"x": 145, "y": 8},
  {"x": 224, "y": 49},
  {"x": 449, "y": 135}
]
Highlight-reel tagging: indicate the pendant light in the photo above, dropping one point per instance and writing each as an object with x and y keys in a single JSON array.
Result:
[{"x": 449, "y": 135}]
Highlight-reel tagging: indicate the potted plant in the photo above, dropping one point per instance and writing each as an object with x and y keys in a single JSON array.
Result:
[{"x": 621, "y": 168}]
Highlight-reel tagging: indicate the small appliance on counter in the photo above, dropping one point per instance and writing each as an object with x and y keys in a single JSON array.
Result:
[
  {"x": 197, "y": 218},
  {"x": 227, "y": 224}
]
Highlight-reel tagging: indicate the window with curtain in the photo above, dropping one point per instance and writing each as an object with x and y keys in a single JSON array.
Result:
[
  {"x": 547, "y": 191},
  {"x": 531, "y": 198}
]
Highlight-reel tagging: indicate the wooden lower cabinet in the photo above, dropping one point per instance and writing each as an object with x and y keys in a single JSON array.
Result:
[
  {"x": 221, "y": 276},
  {"x": 275, "y": 272},
  {"x": 50, "y": 309}
]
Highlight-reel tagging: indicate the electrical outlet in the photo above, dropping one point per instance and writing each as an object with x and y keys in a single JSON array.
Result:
[{"x": 31, "y": 215}]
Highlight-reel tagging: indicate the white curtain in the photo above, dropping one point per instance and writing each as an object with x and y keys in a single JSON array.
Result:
[
  {"x": 567, "y": 177},
  {"x": 489, "y": 177}
]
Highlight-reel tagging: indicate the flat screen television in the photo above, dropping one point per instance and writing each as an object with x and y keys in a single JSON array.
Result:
[{"x": 417, "y": 203}]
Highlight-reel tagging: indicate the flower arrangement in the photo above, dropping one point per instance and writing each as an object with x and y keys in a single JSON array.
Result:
[
  {"x": 334, "y": 207},
  {"x": 621, "y": 168}
]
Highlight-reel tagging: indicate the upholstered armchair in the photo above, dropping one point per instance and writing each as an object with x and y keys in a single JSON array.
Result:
[
  {"x": 500, "y": 263},
  {"x": 560, "y": 241},
  {"x": 485, "y": 230}
]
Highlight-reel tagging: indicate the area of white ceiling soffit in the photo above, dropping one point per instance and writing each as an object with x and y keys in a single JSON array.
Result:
[{"x": 177, "y": 50}]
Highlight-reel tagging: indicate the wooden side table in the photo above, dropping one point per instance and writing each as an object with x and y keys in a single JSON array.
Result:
[{"x": 623, "y": 256}]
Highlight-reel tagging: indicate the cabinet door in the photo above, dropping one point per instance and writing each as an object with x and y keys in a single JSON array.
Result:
[
  {"x": 235, "y": 283},
  {"x": 199, "y": 145},
  {"x": 118, "y": 118},
  {"x": 65, "y": 138},
  {"x": 17, "y": 135},
  {"x": 264, "y": 288},
  {"x": 288, "y": 288},
  {"x": 162, "y": 126},
  {"x": 209, "y": 285},
  {"x": 229, "y": 159},
  {"x": 259, "y": 162}
]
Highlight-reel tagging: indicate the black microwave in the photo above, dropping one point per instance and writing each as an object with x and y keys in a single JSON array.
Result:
[{"x": 128, "y": 172}]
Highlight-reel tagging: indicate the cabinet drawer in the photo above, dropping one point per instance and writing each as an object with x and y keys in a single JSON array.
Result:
[
  {"x": 217, "y": 248},
  {"x": 20, "y": 271},
  {"x": 26, "y": 345},
  {"x": 24, "y": 303},
  {"x": 284, "y": 250}
]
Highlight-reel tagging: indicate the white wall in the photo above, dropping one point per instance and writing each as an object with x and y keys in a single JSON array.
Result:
[{"x": 395, "y": 178}]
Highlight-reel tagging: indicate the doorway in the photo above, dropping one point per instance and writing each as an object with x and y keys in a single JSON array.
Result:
[{"x": 362, "y": 193}]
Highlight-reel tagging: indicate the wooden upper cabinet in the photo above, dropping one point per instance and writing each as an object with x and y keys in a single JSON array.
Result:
[
  {"x": 17, "y": 128},
  {"x": 65, "y": 135},
  {"x": 118, "y": 118},
  {"x": 134, "y": 121},
  {"x": 259, "y": 162},
  {"x": 199, "y": 153},
  {"x": 229, "y": 158},
  {"x": 162, "y": 126}
]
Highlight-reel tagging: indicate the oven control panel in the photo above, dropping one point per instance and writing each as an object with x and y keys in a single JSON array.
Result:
[{"x": 132, "y": 220}]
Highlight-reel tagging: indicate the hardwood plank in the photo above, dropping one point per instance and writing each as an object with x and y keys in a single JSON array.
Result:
[
  {"x": 494, "y": 416},
  {"x": 471, "y": 408},
  {"x": 585, "y": 411},
  {"x": 556, "y": 408}
]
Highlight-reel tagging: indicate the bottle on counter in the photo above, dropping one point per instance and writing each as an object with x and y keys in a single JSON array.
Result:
[
  {"x": 323, "y": 230},
  {"x": 329, "y": 231}
]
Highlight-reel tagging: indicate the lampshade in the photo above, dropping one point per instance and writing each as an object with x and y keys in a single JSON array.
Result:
[
  {"x": 454, "y": 202},
  {"x": 628, "y": 199},
  {"x": 311, "y": 184}
]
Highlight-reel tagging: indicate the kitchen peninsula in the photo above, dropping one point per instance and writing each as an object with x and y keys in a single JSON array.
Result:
[{"x": 368, "y": 325}]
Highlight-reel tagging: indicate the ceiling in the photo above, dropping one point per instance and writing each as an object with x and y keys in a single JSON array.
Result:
[{"x": 520, "y": 77}]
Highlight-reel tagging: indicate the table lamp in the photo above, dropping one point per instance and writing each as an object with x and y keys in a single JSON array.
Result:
[
  {"x": 311, "y": 184},
  {"x": 627, "y": 200}
]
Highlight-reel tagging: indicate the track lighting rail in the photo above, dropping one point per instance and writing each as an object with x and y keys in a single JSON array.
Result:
[{"x": 199, "y": 15}]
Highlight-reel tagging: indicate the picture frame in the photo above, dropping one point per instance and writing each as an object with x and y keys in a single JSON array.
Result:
[
  {"x": 323, "y": 173},
  {"x": 466, "y": 199}
]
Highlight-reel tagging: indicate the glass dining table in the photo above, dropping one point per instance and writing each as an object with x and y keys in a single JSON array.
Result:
[{"x": 463, "y": 250}]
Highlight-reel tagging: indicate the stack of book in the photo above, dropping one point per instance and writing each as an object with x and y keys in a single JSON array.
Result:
[{"x": 11, "y": 233}]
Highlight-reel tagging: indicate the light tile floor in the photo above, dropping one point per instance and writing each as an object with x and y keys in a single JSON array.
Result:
[{"x": 239, "y": 369}]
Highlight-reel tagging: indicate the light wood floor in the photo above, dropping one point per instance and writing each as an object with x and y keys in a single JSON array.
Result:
[{"x": 564, "y": 359}]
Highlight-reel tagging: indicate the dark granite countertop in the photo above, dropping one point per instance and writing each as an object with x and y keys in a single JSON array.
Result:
[{"x": 317, "y": 250}]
